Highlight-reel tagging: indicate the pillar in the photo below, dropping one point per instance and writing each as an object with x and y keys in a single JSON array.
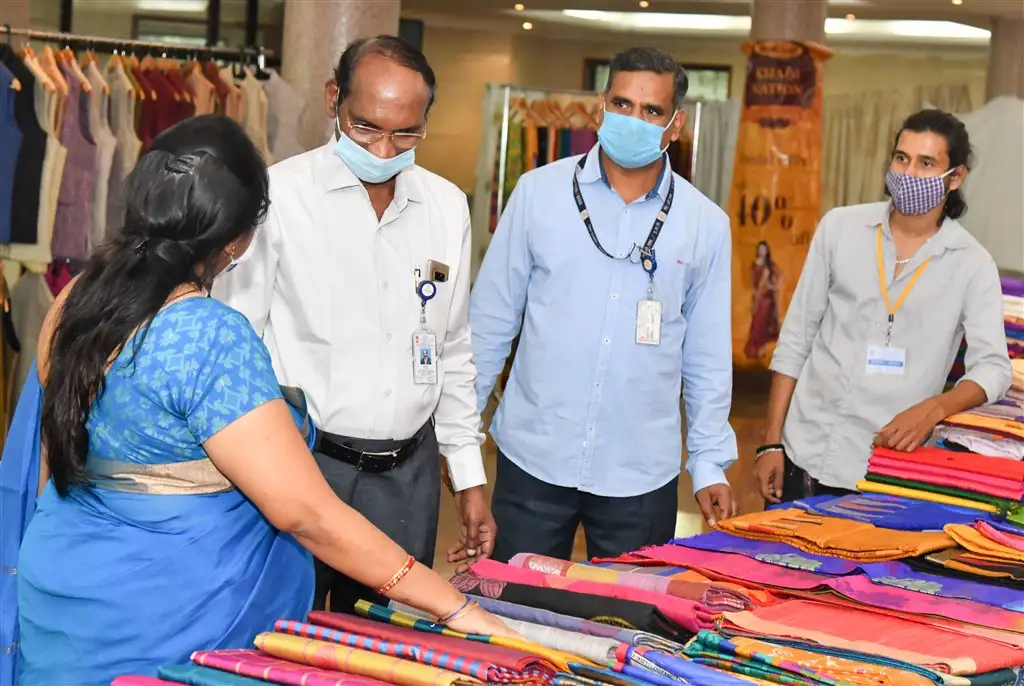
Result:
[
  {"x": 1006, "y": 59},
  {"x": 315, "y": 34},
  {"x": 793, "y": 20},
  {"x": 16, "y": 13}
]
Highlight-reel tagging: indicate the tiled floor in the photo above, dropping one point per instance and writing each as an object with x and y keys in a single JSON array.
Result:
[{"x": 750, "y": 398}]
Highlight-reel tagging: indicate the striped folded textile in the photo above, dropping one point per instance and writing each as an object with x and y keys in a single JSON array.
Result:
[
  {"x": 344, "y": 659},
  {"x": 420, "y": 648},
  {"x": 252, "y": 663}
]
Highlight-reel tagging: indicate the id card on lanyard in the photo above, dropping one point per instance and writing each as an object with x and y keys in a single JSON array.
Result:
[
  {"x": 887, "y": 359},
  {"x": 648, "y": 310},
  {"x": 424, "y": 343}
]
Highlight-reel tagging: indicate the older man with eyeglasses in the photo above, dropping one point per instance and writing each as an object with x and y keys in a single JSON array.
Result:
[{"x": 359, "y": 284}]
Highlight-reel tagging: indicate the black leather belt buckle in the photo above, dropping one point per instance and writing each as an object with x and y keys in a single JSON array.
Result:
[{"x": 377, "y": 463}]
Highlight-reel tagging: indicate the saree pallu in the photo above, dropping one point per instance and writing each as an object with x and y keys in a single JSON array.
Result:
[
  {"x": 674, "y": 668},
  {"x": 593, "y": 648},
  {"x": 639, "y": 567},
  {"x": 626, "y": 614},
  {"x": 834, "y": 537},
  {"x": 730, "y": 567},
  {"x": 781, "y": 554},
  {"x": 534, "y": 615},
  {"x": 903, "y": 575},
  {"x": 419, "y": 648},
  {"x": 716, "y": 597},
  {"x": 785, "y": 665},
  {"x": 332, "y": 656},
  {"x": 383, "y": 614},
  {"x": 889, "y": 512},
  {"x": 252, "y": 663},
  {"x": 690, "y": 615},
  {"x": 848, "y": 627},
  {"x": 19, "y": 483}
]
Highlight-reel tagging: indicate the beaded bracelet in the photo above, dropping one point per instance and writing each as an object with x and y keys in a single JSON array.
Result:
[
  {"x": 451, "y": 617},
  {"x": 770, "y": 448},
  {"x": 399, "y": 575}
]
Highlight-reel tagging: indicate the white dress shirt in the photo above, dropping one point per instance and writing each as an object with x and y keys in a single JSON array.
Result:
[{"x": 332, "y": 290}]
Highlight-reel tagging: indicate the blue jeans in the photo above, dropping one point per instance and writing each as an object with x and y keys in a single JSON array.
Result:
[{"x": 535, "y": 517}]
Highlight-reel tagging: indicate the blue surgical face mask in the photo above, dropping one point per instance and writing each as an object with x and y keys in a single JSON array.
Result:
[
  {"x": 367, "y": 166},
  {"x": 631, "y": 142}
]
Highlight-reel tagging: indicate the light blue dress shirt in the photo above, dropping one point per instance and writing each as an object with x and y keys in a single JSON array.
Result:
[{"x": 586, "y": 407}]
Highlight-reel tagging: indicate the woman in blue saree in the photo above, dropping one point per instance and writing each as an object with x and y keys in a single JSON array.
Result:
[{"x": 179, "y": 503}]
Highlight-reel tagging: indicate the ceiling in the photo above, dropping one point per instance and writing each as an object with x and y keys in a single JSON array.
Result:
[{"x": 976, "y": 12}]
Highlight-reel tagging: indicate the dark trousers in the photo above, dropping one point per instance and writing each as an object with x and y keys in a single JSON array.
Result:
[
  {"x": 535, "y": 517},
  {"x": 402, "y": 502},
  {"x": 798, "y": 484}
]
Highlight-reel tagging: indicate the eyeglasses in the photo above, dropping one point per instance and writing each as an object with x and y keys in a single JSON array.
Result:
[{"x": 367, "y": 135}]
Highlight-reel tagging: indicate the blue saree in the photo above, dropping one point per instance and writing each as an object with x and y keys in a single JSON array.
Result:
[{"x": 158, "y": 555}]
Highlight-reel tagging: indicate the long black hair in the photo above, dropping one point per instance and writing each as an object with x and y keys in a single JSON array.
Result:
[
  {"x": 200, "y": 186},
  {"x": 958, "y": 147}
]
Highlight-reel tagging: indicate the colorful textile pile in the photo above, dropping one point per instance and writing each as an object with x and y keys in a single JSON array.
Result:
[{"x": 991, "y": 485}]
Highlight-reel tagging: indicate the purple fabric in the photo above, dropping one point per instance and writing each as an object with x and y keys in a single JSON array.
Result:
[
  {"x": 779, "y": 554},
  {"x": 899, "y": 575},
  {"x": 889, "y": 512},
  {"x": 1012, "y": 286},
  {"x": 74, "y": 205}
]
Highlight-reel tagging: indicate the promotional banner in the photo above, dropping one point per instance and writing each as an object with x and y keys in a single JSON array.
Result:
[{"x": 776, "y": 189}]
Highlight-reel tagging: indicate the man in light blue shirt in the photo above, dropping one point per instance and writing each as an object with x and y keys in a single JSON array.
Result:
[{"x": 620, "y": 283}]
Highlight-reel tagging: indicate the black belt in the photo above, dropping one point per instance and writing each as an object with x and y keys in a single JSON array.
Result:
[{"x": 373, "y": 462}]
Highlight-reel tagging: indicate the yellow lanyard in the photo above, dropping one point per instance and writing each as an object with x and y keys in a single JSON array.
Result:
[{"x": 890, "y": 307}]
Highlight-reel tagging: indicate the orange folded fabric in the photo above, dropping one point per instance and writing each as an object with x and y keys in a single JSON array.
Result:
[{"x": 846, "y": 539}]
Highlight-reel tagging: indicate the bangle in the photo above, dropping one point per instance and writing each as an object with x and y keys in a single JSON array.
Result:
[
  {"x": 463, "y": 609},
  {"x": 770, "y": 448},
  {"x": 399, "y": 575}
]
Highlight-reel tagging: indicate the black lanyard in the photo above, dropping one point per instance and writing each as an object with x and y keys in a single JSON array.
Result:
[{"x": 647, "y": 249}]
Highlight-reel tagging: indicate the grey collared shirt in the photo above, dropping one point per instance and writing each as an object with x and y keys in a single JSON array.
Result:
[{"x": 837, "y": 312}]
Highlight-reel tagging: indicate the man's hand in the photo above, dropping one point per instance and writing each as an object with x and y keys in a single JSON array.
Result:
[
  {"x": 910, "y": 428},
  {"x": 716, "y": 502},
  {"x": 768, "y": 475},
  {"x": 478, "y": 530}
]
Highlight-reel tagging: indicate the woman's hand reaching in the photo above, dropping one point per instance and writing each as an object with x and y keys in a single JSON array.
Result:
[{"x": 479, "y": 621}]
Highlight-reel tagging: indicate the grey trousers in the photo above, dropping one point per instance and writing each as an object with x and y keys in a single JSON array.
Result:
[{"x": 403, "y": 503}]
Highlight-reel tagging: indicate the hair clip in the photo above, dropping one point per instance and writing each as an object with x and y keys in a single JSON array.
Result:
[
  {"x": 142, "y": 247},
  {"x": 183, "y": 164}
]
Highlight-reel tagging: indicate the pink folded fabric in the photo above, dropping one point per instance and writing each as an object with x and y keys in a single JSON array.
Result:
[
  {"x": 688, "y": 614},
  {"x": 140, "y": 681},
  {"x": 940, "y": 475},
  {"x": 252, "y": 663},
  {"x": 1002, "y": 538}
]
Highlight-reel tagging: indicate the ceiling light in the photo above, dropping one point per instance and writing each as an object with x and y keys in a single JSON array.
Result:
[
  {"x": 527, "y": 25},
  {"x": 958, "y": 2},
  {"x": 644, "y": 4},
  {"x": 520, "y": 7},
  {"x": 851, "y": 17}
]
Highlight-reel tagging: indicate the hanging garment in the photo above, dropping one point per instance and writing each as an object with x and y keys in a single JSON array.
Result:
[
  {"x": 106, "y": 148},
  {"x": 285, "y": 108},
  {"x": 10, "y": 143},
  {"x": 31, "y": 299},
  {"x": 836, "y": 537},
  {"x": 254, "y": 119},
  {"x": 73, "y": 221},
  {"x": 252, "y": 663},
  {"x": 28, "y": 171},
  {"x": 204, "y": 93},
  {"x": 234, "y": 100},
  {"x": 123, "y": 104}
]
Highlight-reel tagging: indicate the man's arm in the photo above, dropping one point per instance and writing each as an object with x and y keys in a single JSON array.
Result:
[
  {"x": 988, "y": 371},
  {"x": 499, "y": 295},
  {"x": 456, "y": 417},
  {"x": 250, "y": 288},
  {"x": 707, "y": 365}
]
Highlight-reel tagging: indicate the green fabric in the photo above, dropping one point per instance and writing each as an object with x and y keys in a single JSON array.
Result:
[
  {"x": 194, "y": 675},
  {"x": 1003, "y": 504}
]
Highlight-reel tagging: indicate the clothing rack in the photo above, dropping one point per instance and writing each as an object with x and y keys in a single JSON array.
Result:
[
  {"x": 506, "y": 113},
  {"x": 258, "y": 55}
]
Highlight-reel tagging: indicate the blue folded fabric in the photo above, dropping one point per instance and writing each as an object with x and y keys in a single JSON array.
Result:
[{"x": 891, "y": 512}]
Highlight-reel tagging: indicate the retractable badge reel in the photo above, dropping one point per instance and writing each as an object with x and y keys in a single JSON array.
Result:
[
  {"x": 648, "y": 310},
  {"x": 424, "y": 344}
]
